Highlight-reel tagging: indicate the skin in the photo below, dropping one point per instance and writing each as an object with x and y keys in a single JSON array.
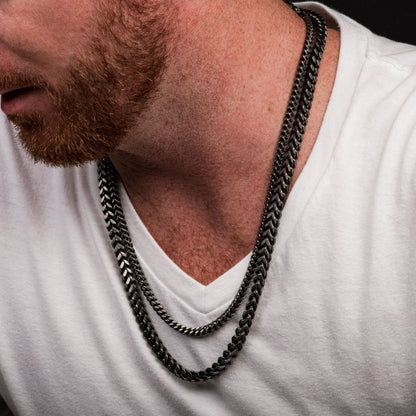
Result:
[{"x": 195, "y": 158}]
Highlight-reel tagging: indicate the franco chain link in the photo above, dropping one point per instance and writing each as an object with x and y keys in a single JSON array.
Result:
[{"x": 288, "y": 148}]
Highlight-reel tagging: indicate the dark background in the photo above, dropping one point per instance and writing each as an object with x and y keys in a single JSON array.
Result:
[{"x": 393, "y": 19}]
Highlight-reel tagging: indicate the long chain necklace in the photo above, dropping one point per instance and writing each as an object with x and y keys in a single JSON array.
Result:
[{"x": 135, "y": 282}]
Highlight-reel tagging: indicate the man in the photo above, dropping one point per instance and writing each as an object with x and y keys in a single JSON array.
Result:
[{"x": 188, "y": 99}]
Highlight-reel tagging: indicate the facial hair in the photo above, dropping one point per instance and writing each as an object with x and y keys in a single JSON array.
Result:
[{"x": 105, "y": 90}]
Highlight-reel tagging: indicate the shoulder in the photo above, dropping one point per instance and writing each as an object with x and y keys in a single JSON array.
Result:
[
  {"x": 400, "y": 56},
  {"x": 372, "y": 110},
  {"x": 381, "y": 72}
]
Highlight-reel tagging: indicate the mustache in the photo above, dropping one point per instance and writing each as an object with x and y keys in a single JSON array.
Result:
[{"x": 15, "y": 80}]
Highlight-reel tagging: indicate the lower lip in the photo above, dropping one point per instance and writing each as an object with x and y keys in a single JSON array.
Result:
[{"x": 30, "y": 100}]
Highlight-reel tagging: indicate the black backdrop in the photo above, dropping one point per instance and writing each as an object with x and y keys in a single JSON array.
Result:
[{"x": 393, "y": 19}]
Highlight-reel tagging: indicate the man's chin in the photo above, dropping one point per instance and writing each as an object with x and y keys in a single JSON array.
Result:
[{"x": 61, "y": 149}]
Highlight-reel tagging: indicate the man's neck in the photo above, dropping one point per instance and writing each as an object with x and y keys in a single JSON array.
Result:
[{"x": 197, "y": 168}]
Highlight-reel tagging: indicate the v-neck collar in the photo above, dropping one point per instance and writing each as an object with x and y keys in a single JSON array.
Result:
[{"x": 161, "y": 271}]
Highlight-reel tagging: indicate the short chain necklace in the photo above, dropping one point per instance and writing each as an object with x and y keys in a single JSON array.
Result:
[{"x": 135, "y": 282}]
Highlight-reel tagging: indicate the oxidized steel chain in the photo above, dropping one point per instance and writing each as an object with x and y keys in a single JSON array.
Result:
[
  {"x": 287, "y": 152},
  {"x": 207, "y": 329}
]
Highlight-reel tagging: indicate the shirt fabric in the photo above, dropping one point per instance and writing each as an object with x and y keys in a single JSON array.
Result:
[{"x": 334, "y": 332}]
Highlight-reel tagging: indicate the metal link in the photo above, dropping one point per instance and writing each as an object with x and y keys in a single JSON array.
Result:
[{"x": 287, "y": 151}]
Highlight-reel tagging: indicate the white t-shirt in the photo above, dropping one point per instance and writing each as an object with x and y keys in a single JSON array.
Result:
[{"x": 335, "y": 329}]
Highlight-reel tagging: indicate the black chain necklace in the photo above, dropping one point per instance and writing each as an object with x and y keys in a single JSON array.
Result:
[{"x": 284, "y": 164}]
